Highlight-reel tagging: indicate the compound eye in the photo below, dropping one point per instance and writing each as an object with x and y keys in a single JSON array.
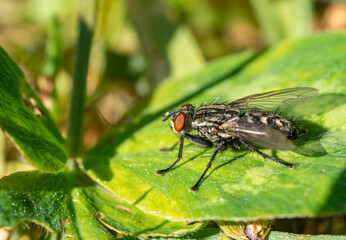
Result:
[
  {"x": 187, "y": 105},
  {"x": 179, "y": 122}
]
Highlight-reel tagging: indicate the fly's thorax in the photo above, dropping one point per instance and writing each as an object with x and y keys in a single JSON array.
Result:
[
  {"x": 181, "y": 119},
  {"x": 207, "y": 119},
  {"x": 213, "y": 115}
]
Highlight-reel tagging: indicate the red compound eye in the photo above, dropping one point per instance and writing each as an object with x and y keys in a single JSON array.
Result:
[
  {"x": 186, "y": 105},
  {"x": 179, "y": 122}
]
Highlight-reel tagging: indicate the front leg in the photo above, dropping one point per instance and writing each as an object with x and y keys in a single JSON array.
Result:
[
  {"x": 199, "y": 141},
  {"x": 170, "y": 148},
  {"x": 180, "y": 153}
]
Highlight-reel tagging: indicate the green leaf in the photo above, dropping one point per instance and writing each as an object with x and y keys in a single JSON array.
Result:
[
  {"x": 241, "y": 185},
  {"x": 85, "y": 210},
  {"x": 168, "y": 46},
  {"x": 282, "y": 19},
  {"x": 290, "y": 236},
  {"x": 24, "y": 118},
  {"x": 184, "y": 53}
]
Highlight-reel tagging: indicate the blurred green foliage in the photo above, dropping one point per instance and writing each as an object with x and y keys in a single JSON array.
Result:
[{"x": 137, "y": 45}]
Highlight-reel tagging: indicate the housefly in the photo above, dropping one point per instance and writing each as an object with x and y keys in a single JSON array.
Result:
[{"x": 252, "y": 121}]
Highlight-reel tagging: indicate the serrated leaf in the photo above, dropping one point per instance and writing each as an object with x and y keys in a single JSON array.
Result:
[
  {"x": 26, "y": 120},
  {"x": 70, "y": 200},
  {"x": 240, "y": 185}
]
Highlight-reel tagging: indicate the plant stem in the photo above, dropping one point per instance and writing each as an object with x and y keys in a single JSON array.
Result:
[{"x": 79, "y": 79}]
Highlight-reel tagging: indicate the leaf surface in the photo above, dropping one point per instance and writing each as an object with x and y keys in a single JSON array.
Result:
[
  {"x": 24, "y": 118},
  {"x": 70, "y": 201},
  {"x": 241, "y": 185}
]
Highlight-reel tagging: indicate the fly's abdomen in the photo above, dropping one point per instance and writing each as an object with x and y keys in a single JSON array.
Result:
[{"x": 275, "y": 121}]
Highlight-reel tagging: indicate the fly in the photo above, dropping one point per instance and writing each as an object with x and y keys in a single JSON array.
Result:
[{"x": 251, "y": 121}]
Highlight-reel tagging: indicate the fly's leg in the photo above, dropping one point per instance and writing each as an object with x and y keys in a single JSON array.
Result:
[
  {"x": 199, "y": 141},
  {"x": 194, "y": 139},
  {"x": 218, "y": 148},
  {"x": 291, "y": 165},
  {"x": 169, "y": 148},
  {"x": 180, "y": 153},
  {"x": 234, "y": 144}
]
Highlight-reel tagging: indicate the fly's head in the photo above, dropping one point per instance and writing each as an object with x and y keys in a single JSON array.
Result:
[{"x": 181, "y": 119}]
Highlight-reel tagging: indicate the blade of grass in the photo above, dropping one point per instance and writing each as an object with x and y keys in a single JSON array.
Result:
[
  {"x": 86, "y": 26},
  {"x": 53, "y": 52}
]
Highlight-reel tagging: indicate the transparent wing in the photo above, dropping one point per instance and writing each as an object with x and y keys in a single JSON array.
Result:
[
  {"x": 271, "y": 101},
  {"x": 260, "y": 135}
]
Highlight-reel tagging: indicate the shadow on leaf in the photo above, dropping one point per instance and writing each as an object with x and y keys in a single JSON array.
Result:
[{"x": 309, "y": 144}]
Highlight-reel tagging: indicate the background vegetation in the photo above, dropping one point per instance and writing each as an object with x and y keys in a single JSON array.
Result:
[{"x": 145, "y": 57}]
